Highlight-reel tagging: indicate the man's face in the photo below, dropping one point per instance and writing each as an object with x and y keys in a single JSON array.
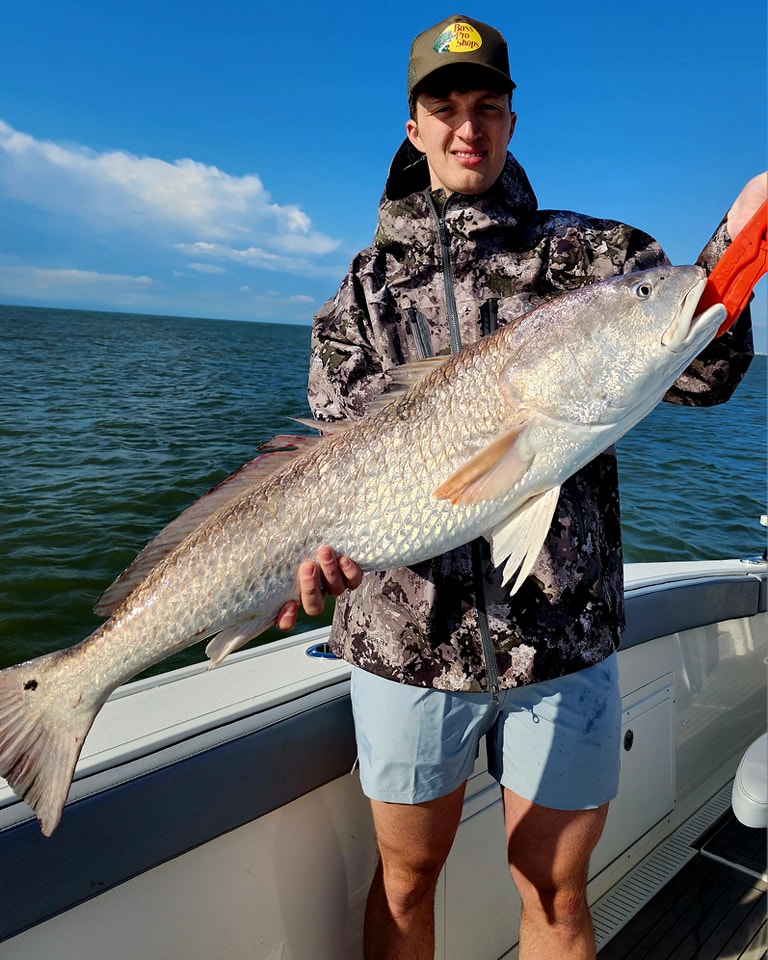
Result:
[{"x": 464, "y": 136}]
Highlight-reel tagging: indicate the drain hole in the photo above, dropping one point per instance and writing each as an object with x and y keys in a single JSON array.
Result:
[{"x": 321, "y": 651}]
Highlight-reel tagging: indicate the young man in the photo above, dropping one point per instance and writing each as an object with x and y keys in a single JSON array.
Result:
[{"x": 442, "y": 654}]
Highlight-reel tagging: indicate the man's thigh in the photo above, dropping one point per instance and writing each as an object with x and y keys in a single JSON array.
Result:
[
  {"x": 549, "y": 849},
  {"x": 416, "y": 838}
]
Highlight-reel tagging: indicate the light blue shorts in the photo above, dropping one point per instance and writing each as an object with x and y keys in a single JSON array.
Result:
[{"x": 555, "y": 743}]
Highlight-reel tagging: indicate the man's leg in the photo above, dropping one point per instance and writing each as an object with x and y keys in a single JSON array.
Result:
[
  {"x": 549, "y": 854},
  {"x": 414, "y": 842}
]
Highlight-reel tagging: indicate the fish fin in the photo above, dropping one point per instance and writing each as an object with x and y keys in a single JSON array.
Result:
[
  {"x": 519, "y": 539},
  {"x": 491, "y": 473},
  {"x": 408, "y": 374},
  {"x": 324, "y": 427},
  {"x": 232, "y": 638},
  {"x": 273, "y": 455},
  {"x": 402, "y": 378},
  {"x": 41, "y": 736}
]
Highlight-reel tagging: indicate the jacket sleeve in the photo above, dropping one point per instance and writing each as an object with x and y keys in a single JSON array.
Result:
[
  {"x": 714, "y": 375},
  {"x": 345, "y": 369}
]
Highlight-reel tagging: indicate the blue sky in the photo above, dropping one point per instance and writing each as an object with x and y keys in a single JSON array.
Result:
[{"x": 226, "y": 159}]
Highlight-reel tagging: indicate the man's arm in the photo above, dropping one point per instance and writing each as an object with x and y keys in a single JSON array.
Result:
[{"x": 717, "y": 371}]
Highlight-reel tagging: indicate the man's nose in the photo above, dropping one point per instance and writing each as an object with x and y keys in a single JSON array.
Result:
[{"x": 469, "y": 128}]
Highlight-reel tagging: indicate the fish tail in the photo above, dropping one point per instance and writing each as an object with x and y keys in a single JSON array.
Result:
[{"x": 41, "y": 735}]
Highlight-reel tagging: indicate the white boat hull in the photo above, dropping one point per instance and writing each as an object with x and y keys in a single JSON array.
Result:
[{"x": 214, "y": 814}]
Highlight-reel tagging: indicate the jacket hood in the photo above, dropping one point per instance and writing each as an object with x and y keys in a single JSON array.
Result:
[{"x": 409, "y": 173}]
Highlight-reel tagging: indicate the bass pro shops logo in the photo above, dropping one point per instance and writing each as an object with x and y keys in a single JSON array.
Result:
[{"x": 458, "y": 38}]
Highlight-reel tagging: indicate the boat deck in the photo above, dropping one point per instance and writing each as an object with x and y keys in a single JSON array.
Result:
[{"x": 714, "y": 908}]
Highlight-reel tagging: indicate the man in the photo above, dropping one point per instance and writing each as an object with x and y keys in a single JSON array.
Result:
[{"x": 442, "y": 654}]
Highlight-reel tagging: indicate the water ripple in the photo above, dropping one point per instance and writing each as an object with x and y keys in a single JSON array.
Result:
[{"x": 111, "y": 424}]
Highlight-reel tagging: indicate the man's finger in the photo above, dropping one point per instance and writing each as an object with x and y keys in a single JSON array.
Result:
[
  {"x": 353, "y": 575},
  {"x": 286, "y": 619},
  {"x": 331, "y": 578},
  {"x": 311, "y": 589}
]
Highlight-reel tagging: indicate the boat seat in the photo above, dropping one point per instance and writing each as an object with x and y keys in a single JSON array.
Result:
[{"x": 749, "y": 796}]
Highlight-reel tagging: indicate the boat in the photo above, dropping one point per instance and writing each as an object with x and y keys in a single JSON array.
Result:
[{"x": 218, "y": 814}]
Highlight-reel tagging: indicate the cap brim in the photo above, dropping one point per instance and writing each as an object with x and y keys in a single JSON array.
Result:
[{"x": 508, "y": 84}]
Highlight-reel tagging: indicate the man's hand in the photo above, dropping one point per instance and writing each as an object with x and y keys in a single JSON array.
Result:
[
  {"x": 328, "y": 574},
  {"x": 747, "y": 203}
]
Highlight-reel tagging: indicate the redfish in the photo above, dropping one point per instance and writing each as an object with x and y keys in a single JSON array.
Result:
[{"x": 478, "y": 445}]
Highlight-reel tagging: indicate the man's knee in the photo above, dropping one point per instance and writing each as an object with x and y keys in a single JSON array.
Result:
[
  {"x": 407, "y": 886},
  {"x": 561, "y": 904}
]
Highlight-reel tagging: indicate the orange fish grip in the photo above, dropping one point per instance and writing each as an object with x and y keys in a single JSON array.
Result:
[{"x": 736, "y": 273}]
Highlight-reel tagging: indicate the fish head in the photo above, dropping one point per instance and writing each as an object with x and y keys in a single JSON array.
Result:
[{"x": 611, "y": 349}]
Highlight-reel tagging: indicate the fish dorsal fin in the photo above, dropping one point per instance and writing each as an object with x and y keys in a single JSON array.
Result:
[
  {"x": 518, "y": 540},
  {"x": 403, "y": 378},
  {"x": 491, "y": 473},
  {"x": 273, "y": 455},
  {"x": 324, "y": 426}
]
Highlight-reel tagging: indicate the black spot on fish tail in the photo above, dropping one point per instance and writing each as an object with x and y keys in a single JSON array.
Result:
[{"x": 30, "y": 685}]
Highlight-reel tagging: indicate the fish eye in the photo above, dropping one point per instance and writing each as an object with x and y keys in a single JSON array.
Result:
[{"x": 642, "y": 289}]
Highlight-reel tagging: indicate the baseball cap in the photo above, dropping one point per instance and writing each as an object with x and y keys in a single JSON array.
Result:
[{"x": 458, "y": 39}]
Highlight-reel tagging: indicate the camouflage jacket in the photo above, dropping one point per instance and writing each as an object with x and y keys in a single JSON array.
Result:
[{"x": 440, "y": 273}]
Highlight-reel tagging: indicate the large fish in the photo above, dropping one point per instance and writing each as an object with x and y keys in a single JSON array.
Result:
[{"x": 479, "y": 445}]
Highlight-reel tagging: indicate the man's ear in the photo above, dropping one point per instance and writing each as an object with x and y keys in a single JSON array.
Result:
[
  {"x": 513, "y": 124},
  {"x": 412, "y": 132}
]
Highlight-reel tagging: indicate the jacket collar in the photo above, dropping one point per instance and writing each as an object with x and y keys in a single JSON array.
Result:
[{"x": 406, "y": 197}]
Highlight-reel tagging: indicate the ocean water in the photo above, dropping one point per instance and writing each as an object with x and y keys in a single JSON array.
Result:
[{"x": 111, "y": 424}]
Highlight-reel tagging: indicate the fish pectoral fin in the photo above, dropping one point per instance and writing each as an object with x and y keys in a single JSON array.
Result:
[
  {"x": 232, "y": 638},
  {"x": 519, "y": 539},
  {"x": 491, "y": 473}
]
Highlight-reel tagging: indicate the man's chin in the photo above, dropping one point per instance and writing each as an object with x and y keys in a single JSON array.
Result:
[{"x": 471, "y": 183}]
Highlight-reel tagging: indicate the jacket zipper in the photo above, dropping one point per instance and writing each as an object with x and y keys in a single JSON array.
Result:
[
  {"x": 479, "y": 559},
  {"x": 445, "y": 258},
  {"x": 489, "y": 654}
]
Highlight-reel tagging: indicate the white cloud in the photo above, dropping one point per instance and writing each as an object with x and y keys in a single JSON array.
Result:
[
  {"x": 46, "y": 279},
  {"x": 255, "y": 257},
  {"x": 183, "y": 201},
  {"x": 108, "y": 229},
  {"x": 206, "y": 268},
  {"x": 25, "y": 284}
]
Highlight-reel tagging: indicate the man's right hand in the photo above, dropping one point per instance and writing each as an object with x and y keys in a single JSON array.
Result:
[{"x": 326, "y": 575}]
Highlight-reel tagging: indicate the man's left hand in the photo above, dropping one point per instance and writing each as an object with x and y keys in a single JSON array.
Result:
[{"x": 752, "y": 196}]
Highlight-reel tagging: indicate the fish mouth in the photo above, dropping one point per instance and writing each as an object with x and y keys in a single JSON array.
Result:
[{"x": 687, "y": 324}]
